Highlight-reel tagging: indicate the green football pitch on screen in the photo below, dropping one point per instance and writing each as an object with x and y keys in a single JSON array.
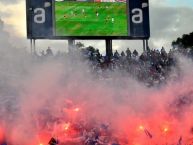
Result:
[{"x": 73, "y": 18}]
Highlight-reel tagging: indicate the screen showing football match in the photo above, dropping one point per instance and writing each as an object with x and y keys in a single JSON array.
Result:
[{"x": 91, "y": 18}]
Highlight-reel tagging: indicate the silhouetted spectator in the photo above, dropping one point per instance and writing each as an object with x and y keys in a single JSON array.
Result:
[
  {"x": 128, "y": 53},
  {"x": 122, "y": 54},
  {"x": 98, "y": 55},
  {"x": 135, "y": 53},
  {"x": 163, "y": 53},
  {"x": 116, "y": 55},
  {"x": 49, "y": 52}
]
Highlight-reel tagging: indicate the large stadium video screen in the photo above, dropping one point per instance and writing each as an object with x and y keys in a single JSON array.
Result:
[{"x": 91, "y": 18}]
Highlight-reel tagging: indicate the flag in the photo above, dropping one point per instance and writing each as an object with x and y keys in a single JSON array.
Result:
[
  {"x": 180, "y": 141},
  {"x": 148, "y": 133}
]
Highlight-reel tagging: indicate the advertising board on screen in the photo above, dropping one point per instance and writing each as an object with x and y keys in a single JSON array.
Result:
[{"x": 89, "y": 19}]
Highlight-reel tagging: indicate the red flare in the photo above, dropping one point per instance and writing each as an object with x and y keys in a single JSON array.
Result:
[
  {"x": 166, "y": 129},
  {"x": 66, "y": 126},
  {"x": 76, "y": 109},
  {"x": 141, "y": 127}
]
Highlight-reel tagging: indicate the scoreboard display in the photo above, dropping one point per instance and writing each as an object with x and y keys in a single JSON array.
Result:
[{"x": 87, "y": 19}]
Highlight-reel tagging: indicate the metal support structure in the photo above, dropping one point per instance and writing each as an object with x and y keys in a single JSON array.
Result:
[
  {"x": 71, "y": 43},
  {"x": 31, "y": 49},
  {"x": 34, "y": 46},
  {"x": 144, "y": 46},
  {"x": 109, "y": 50},
  {"x": 147, "y": 45}
]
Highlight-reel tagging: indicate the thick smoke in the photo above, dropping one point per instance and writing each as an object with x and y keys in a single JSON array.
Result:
[
  {"x": 3, "y": 35},
  {"x": 48, "y": 87},
  {"x": 124, "y": 103}
]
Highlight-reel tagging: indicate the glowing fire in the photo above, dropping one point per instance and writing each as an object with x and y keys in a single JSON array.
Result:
[
  {"x": 141, "y": 127},
  {"x": 76, "y": 109},
  {"x": 166, "y": 129},
  {"x": 66, "y": 126},
  {"x": 144, "y": 132}
]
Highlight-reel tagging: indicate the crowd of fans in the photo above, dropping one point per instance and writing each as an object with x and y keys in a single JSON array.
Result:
[{"x": 151, "y": 67}]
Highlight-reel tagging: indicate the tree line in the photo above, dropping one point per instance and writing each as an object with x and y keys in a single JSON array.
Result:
[{"x": 186, "y": 41}]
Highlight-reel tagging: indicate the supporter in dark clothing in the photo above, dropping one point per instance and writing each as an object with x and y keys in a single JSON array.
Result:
[
  {"x": 122, "y": 54},
  {"x": 98, "y": 55},
  {"x": 49, "y": 52},
  {"x": 135, "y": 53},
  {"x": 116, "y": 55},
  {"x": 149, "y": 67},
  {"x": 143, "y": 57},
  {"x": 128, "y": 53},
  {"x": 163, "y": 53}
]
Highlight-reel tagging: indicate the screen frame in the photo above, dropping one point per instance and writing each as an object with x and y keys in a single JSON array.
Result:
[
  {"x": 92, "y": 37},
  {"x": 30, "y": 34}
]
